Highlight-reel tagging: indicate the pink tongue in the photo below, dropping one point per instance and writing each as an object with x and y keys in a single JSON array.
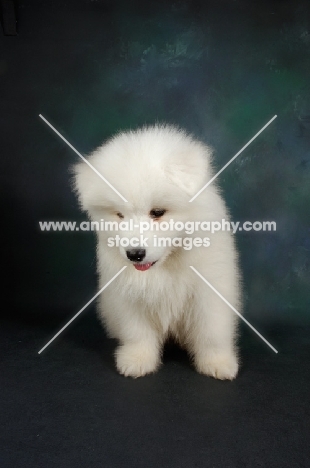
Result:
[{"x": 142, "y": 266}]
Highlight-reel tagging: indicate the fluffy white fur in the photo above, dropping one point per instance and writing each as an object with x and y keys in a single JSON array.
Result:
[{"x": 161, "y": 167}]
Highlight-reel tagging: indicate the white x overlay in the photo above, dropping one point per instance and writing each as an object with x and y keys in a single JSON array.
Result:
[
  {"x": 192, "y": 199},
  {"x": 232, "y": 308},
  {"x": 84, "y": 159},
  {"x": 83, "y": 308},
  {"x": 232, "y": 159}
]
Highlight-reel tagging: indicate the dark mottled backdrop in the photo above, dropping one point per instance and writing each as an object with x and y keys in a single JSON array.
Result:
[{"x": 220, "y": 69}]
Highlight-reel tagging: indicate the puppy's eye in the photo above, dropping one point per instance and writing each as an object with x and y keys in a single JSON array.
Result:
[
  {"x": 120, "y": 215},
  {"x": 157, "y": 213}
]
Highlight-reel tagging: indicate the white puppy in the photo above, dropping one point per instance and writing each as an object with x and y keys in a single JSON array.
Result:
[{"x": 158, "y": 170}]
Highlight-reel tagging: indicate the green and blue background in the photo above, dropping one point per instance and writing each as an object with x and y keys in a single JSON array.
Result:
[{"x": 219, "y": 69}]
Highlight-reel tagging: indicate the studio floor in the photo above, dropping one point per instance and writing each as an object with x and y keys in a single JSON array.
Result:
[{"x": 68, "y": 406}]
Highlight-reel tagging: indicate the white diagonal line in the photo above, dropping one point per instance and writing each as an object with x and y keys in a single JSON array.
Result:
[
  {"x": 232, "y": 159},
  {"x": 232, "y": 308},
  {"x": 84, "y": 159},
  {"x": 83, "y": 308}
]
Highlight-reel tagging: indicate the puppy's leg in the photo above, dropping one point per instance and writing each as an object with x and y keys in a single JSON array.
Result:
[
  {"x": 212, "y": 338},
  {"x": 139, "y": 352}
]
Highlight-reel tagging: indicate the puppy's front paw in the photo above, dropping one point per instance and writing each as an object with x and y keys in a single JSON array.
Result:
[
  {"x": 136, "y": 360},
  {"x": 223, "y": 366}
]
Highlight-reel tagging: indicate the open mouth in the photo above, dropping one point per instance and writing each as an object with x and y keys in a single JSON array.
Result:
[{"x": 143, "y": 266}]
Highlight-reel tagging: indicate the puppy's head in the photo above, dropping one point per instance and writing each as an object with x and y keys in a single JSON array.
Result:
[{"x": 157, "y": 170}]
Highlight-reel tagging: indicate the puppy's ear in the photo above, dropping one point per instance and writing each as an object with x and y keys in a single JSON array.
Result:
[
  {"x": 84, "y": 185},
  {"x": 191, "y": 169}
]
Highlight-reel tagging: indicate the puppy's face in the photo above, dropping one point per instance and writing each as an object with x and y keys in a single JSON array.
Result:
[
  {"x": 146, "y": 245},
  {"x": 157, "y": 170},
  {"x": 143, "y": 235}
]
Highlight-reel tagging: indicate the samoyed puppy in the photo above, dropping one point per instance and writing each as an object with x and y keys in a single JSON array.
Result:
[{"x": 158, "y": 170}]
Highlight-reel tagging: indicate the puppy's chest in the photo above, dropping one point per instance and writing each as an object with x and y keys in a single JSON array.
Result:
[
  {"x": 162, "y": 298},
  {"x": 169, "y": 313}
]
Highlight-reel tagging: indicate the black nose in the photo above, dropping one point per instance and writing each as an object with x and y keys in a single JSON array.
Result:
[{"x": 135, "y": 255}]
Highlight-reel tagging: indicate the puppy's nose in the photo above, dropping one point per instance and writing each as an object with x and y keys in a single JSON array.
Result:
[{"x": 135, "y": 255}]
